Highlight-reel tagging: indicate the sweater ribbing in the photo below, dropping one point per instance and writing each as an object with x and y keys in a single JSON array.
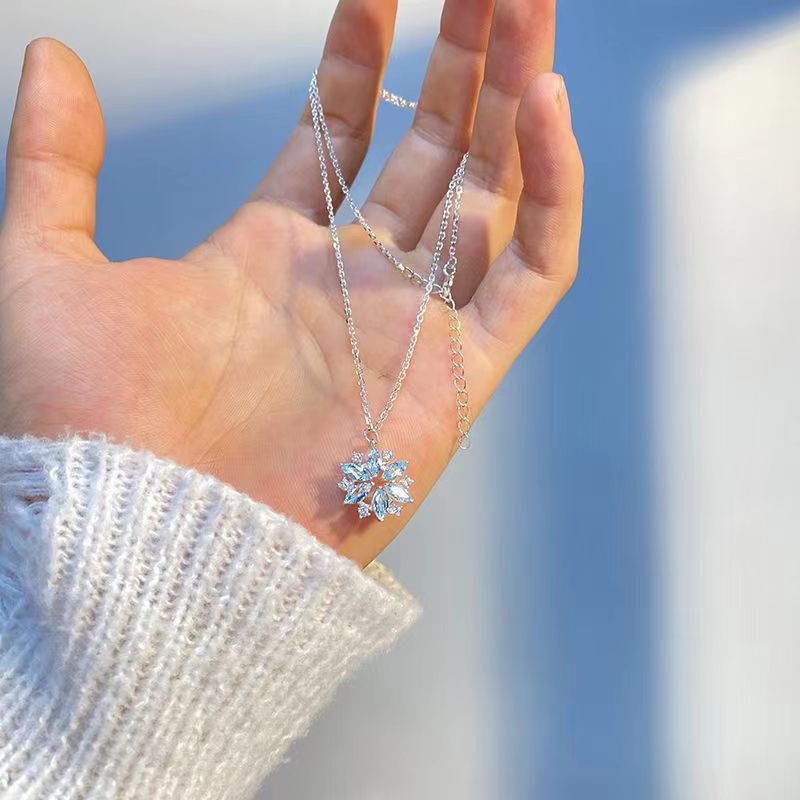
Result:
[{"x": 161, "y": 635}]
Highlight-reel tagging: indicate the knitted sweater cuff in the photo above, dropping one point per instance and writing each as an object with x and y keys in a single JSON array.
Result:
[{"x": 161, "y": 635}]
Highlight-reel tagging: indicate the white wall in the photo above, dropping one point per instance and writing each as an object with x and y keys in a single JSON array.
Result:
[
  {"x": 726, "y": 167},
  {"x": 156, "y": 58}
]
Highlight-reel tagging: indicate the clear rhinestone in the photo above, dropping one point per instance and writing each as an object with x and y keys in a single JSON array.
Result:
[
  {"x": 363, "y": 510},
  {"x": 388, "y": 455},
  {"x": 356, "y": 457},
  {"x": 345, "y": 485},
  {"x": 358, "y": 493},
  {"x": 380, "y": 504},
  {"x": 394, "y": 470},
  {"x": 398, "y": 492},
  {"x": 395, "y": 510},
  {"x": 405, "y": 480}
]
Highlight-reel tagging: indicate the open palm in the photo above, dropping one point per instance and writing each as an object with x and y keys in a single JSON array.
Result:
[{"x": 235, "y": 359}]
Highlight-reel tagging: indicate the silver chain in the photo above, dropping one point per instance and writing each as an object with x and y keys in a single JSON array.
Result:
[
  {"x": 452, "y": 207},
  {"x": 396, "y": 100},
  {"x": 385, "y": 251}
]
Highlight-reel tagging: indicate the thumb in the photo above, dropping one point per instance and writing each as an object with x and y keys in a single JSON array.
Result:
[{"x": 55, "y": 150}]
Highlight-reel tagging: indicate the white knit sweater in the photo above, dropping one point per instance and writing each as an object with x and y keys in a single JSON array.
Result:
[{"x": 161, "y": 635}]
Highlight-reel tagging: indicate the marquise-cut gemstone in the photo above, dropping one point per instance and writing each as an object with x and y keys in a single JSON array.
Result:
[
  {"x": 355, "y": 472},
  {"x": 374, "y": 464},
  {"x": 394, "y": 470},
  {"x": 399, "y": 493},
  {"x": 357, "y": 493},
  {"x": 380, "y": 504}
]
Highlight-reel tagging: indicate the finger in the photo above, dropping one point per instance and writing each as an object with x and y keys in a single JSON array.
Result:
[
  {"x": 417, "y": 173},
  {"x": 521, "y": 46},
  {"x": 350, "y": 77},
  {"x": 54, "y": 155},
  {"x": 540, "y": 263}
]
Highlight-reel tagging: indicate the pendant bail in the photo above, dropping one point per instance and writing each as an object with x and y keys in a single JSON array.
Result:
[{"x": 371, "y": 435}]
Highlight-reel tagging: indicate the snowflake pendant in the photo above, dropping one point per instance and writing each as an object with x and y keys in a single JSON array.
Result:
[{"x": 376, "y": 484}]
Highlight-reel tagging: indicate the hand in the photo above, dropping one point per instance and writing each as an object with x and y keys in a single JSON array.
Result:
[{"x": 234, "y": 359}]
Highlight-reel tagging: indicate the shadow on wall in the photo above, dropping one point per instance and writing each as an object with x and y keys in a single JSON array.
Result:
[
  {"x": 578, "y": 651},
  {"x": 575, "y": 642}
]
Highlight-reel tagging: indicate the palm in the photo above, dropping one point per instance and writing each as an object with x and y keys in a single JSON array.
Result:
[{"x": 235, "y": 359}]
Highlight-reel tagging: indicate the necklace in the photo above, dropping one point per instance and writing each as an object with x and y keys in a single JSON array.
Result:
[{"x": 375, "y": 482}]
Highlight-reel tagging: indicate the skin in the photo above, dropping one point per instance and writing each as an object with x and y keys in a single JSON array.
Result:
[{"x": 234, "y": 359}]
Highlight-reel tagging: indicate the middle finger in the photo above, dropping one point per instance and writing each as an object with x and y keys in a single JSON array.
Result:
[
  {"x": 417, "y": 173},
  {"x": 521, "y": 46}
]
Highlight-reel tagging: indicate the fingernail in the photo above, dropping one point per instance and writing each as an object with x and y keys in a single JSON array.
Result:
[{"x": 562, "y": 98}]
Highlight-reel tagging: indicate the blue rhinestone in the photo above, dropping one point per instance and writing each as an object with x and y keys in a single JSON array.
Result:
[
  {"x": 394, "y": 470},
  {"x": 380, "y": 504},
  {"x": 357, "y": 493},
  {"x": 399, "y": 493}
]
